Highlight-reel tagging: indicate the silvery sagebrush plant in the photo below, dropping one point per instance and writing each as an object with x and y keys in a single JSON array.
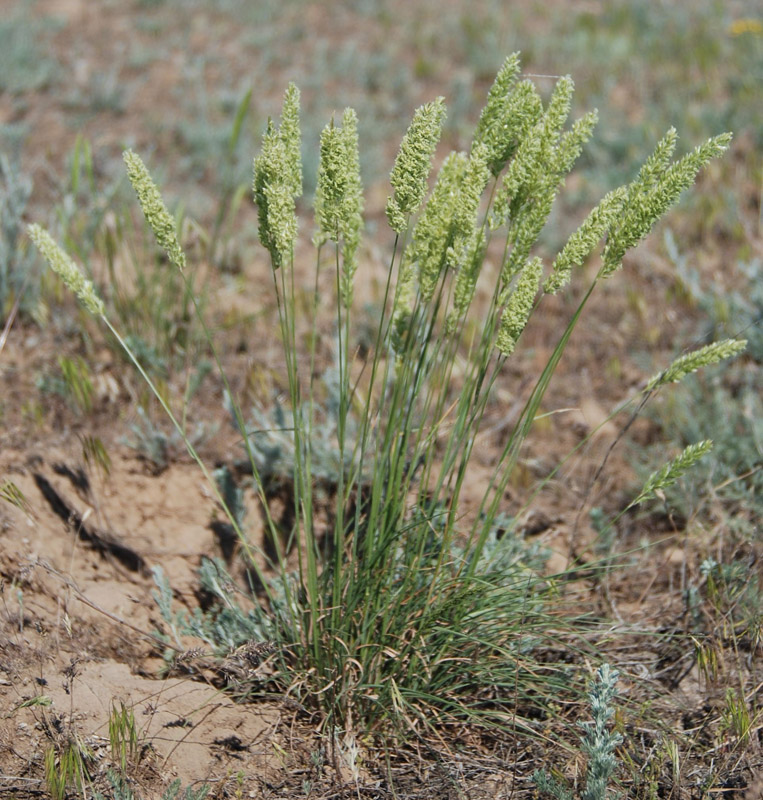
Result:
[
  {"x": 598, "y": 744},
  {"x": 402, "y": 608}
]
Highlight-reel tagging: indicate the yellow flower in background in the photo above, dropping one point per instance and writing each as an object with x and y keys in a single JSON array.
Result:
[{"x": 741, "y": 26}]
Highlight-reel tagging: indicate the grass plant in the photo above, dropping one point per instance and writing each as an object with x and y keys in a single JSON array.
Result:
[
  {"x": 402, "y": 607},
  {"x": 66, "y": 767},
  {"x": 11, "y": 493},
  {"x": 73, "y": 382},
  {"x": 77, "y": 383},
  {"x": 123, "y": 736}
]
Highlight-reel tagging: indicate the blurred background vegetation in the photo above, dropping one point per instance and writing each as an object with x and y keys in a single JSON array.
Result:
[{"x": 168, "y": 75}]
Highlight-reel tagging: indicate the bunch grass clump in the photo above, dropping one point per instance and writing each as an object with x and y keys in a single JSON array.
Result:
[{"x": 402, "y": 608}]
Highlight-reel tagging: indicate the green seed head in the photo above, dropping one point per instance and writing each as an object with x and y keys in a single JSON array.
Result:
[
  {"x": 518, "y": 309},
  {"x": 339, "y": 195},
  {"x": 292, "y": 137},
  {"x": 352, "y": 206},
  {"x": 691, "y": 362},
  {"x": 467, "y": 253},
  {"x": 66, "y": 269},
  {"x": 585, "y": 238},
  {"x": 509, "y": 113},
  {"x": 657, "y": 187},
  {"x": 434, "y": 230},
  {"x": 666, "y": 476},
  {"x": 157, "y": 216},
  {"x": 413, "y": 163},
  {"x": 274, "y": 196}
]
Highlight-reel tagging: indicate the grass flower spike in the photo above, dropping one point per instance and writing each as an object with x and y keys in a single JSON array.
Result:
[
  {"x": 656, "y": 189},
  {"x": 657, "y": 163},
  {"x": 470, "y": 257},
  {"x": 66, "y": 269},
  {"x": 433, "y": 233},
  {"x": 496, "y": 116},
  {"x": 352, "y": 216},
  {"x": 331, "y": 186},
  {"x": 339, "y": 195},
  {"x": 571, "y": 143},
  {"x": 673, "y": 470},
  {"x": 558, "y": 110},
  {"x": 278, "y": 182},
  {"x": 510, "y": 112},
  {"x": 520, "y": 305},
  {"x": 160, "y": 220},
  {"x": 292, "y": 137},
  {"x": 517, "y": 179},
  {"x": 466, "y": 254},
  {"x": 691, "y": 362},
  {"x": 531, "y": 182},
  {"x": 585, "y": 238},
  {"x": 433, "y": 236},
  {"x": 273, "y": 194},
  {"x": 476, "y": 176},
  {"x": 411, "y": 170}
]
